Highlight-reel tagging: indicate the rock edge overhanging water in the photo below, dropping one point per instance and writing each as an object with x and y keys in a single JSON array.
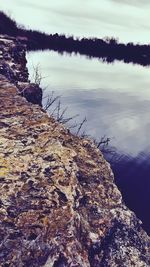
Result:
[{"x": 59, "y": 204}]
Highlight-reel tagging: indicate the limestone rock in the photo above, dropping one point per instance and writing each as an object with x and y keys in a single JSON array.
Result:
[
  {"x": 59, "y": 204},
  {"x": 32, "y": 92},
  {"x": 13, "y": 67}
]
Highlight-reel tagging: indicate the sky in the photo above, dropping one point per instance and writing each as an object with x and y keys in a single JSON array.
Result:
[{"x": 127, "y": 20}]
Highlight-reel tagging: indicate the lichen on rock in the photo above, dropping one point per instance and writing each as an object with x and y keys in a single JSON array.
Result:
[
  {"x": 59, "y": 204},
  {"x": 13, "y": 67}
]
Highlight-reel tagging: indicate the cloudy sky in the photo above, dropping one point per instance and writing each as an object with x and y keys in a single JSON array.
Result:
[{"x": 129, "y": 20}]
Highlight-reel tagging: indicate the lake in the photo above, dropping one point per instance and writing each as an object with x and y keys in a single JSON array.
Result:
[{"x": 115, "y": 99}]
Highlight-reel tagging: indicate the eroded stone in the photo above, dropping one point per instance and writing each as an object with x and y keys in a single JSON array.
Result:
[{"x": 59, "y": 205}]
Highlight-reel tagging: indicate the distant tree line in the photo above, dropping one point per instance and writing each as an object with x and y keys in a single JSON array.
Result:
[{"x": 107, "y": 49}]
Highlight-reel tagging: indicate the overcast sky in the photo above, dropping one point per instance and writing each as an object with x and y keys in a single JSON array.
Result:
[{"x": 129, "y": 20}]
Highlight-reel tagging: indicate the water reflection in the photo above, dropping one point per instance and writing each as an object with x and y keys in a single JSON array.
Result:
[
  {"x": 107, "y": 50},
  {"x": 132, "y": 178},
  {"x": 116, "y": 102}
]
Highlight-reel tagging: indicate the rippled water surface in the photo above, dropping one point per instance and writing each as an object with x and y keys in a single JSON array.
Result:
[{"x": 115, "y": 99}]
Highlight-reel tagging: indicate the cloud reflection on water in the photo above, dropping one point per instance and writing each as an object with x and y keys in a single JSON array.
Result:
[{"x": 114, "y": 98}]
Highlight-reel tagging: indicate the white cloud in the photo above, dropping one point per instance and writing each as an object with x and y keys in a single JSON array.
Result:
[{"x": 129, "y": 22}]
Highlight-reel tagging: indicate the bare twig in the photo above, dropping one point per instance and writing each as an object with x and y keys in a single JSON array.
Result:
[
  {"x": 103, "y": 142},
  {"x": 37, "y": 77},
  {"x": 50, "y": 100},
  {"x": 81, "y": 125},
  {"x": 59, "y": 114}
]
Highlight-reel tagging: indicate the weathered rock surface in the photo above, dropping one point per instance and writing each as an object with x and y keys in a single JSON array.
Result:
[
  {"x": 13, "y": 66},
  {"x": 59, "y": 205}
]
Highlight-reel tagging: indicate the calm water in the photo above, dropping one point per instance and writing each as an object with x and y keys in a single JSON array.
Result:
[{"x": 115, "y": 99}]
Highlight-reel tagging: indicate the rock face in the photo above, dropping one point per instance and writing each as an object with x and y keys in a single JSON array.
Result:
[
  {"x": 59, "y": 205},
  {"x": 13, "y": 67}
]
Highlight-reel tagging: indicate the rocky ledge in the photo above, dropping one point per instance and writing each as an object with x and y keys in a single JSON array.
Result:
[{"x": 59, "y": 205}]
